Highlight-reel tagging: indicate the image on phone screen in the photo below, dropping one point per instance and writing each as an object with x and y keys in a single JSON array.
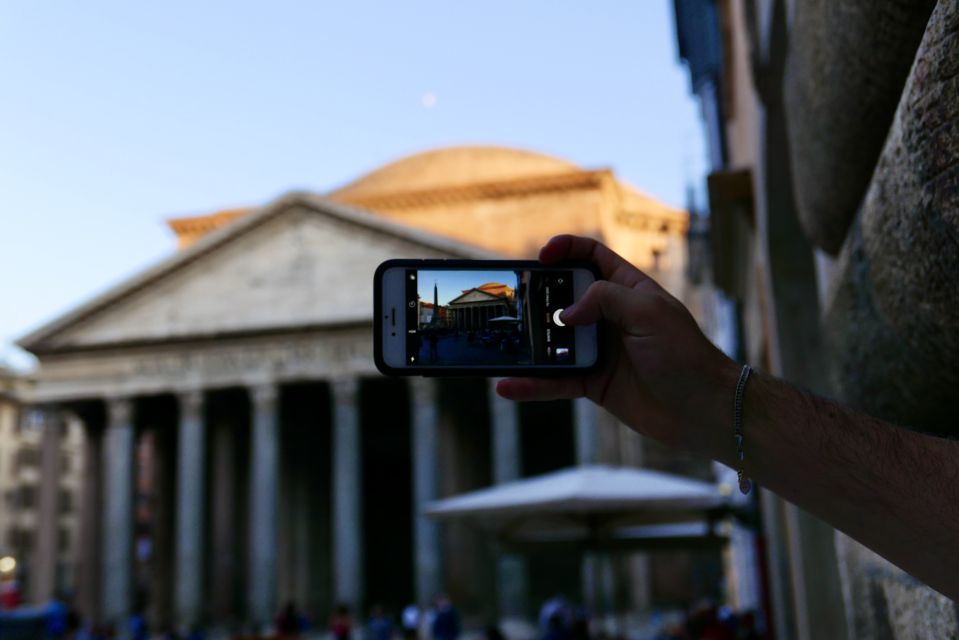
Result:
[{"x": 488, "y": 318}]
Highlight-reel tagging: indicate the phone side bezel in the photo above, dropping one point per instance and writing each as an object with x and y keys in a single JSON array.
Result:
[{"x": 473, "y": 372}]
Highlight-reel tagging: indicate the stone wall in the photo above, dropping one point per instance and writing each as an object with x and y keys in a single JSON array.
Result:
[{"x": 893, "y": 311}]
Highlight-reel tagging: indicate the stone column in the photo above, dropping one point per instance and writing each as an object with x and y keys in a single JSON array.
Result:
[
  {"x": 44, "y": 571},
  {"x": 224, "y": 519},
  {"x": 347, "y": 515},
  {"x": 89, "y": 558},
  {"x": 426, "y": 538},
  {"x": 190, "y": 493},
  {"x": 264, "y": 484},
  {"x": 586, "y": 428},
  {"x": 511, "y": 571},
  {"x": 118, "y": 526}
]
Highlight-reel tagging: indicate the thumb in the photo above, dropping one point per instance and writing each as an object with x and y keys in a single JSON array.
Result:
[{"x": 623, "y": 307}]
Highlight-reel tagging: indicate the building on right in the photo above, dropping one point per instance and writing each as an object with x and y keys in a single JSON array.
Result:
[{"x": 833, "y": 213}]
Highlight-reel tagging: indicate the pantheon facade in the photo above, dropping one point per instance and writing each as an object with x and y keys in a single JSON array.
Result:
[{"x": 241, "y": 451}]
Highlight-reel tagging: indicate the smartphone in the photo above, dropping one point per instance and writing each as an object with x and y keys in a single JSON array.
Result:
[{"x": 481, "y": 318}]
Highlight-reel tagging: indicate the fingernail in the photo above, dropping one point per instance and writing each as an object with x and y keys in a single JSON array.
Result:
[{"x": 568, "y": 312}]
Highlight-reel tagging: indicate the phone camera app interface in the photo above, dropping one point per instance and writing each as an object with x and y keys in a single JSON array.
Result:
[{"x": 488, "y": 318}]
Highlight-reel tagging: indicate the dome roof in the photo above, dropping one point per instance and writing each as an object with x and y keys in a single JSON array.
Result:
[{"x": 454, "y": 166}]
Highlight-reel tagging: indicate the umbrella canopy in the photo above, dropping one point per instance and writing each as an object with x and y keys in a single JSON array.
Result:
[
  {"x": 595, "y": 505},
  {"x": 505, "y": 319}
]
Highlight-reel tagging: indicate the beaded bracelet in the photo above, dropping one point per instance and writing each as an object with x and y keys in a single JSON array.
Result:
[{"x": 745, "y": 484}]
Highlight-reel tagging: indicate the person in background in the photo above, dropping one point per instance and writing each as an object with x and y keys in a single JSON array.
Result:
[
  {"x": 705, "y": 624},
  {"x": 427, "y": 618},
  {"x": 341, "y": 624},
  {"x": 289, "y": 622},
  {"x": 379, "y": 626},
  {"x": 196, "y": 634},
  {"x": 446, "y": 625},
  {"x": 556, "y": 628},
  {"x": 580, "y": 628},
  {"x": 10, "y": 596},
  {"x": 557, "y": 605},
  {"x": 411, "y": 622},
  {"x": 746, "y": 629},
  {"x": 137, "y": 626},
  {"x": 56, "y": 618}
]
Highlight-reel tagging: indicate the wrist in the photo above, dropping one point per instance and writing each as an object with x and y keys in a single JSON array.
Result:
[{"x": 714, "y": 433}]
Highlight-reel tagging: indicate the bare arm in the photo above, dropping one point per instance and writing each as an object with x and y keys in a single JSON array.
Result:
[
  {"x": 896, "y": 491},
  {"x": 893, "y": 490}
]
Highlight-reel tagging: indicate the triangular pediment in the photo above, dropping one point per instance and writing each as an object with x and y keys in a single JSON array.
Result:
[
  {"x": 475, "y": 295},
  {"x": 300, "y": 262}
]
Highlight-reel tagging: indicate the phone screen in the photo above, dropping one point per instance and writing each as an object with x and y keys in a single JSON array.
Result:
[{"x": 488, "y": 318}]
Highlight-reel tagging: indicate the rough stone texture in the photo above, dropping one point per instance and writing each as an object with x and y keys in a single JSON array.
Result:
[
  {"x": 844, "y": 76},
  {"x": 914, "y": 613},
  {"x": 191, "y": 463},
  {"x": 892, "y": 317},
  {"x": 863, "y": 598},
  {"x": 883, "y": 603},
  {"x": 894, "y": 312}
]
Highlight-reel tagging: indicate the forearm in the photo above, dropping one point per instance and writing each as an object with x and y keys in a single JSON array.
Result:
[{"x": 896, "y": 491}]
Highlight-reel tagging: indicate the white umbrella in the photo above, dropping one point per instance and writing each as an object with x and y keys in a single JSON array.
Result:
[{"x": 593, "y": 506}]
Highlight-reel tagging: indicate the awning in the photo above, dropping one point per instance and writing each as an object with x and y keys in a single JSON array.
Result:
[{"x": 595, "y": 507}]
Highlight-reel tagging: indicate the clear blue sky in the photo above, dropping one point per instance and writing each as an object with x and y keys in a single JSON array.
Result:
[{"x": 117, "y": 115}]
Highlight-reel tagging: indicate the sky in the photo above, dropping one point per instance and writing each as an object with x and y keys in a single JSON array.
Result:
[
  {"x": 451, "y": 284},
  {"x": 115, "y": 116}
]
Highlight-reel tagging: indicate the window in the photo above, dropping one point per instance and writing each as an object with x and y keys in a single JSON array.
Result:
[
  {"x": 28, "y": 496},
  {"x": 26, "y": 542},
  {"x": 32, "y": 420},
  {"x": 66, "y": 501},
  {"x": 27, "y": 457},
  {"x": 20, "y": 541}
]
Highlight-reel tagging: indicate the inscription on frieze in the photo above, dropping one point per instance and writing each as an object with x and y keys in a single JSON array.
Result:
[{"x": 290, "y": 355}]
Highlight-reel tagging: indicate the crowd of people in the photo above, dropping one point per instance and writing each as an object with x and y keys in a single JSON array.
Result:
[{"x": 558, "y": 619}]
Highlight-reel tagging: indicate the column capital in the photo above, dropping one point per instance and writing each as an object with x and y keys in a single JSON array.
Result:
[
  {"x": 119, "y": 410},
  {"x": 423, "y": 390},
  {"x": 345, "y": 389},
  {"x": 264, "y": 395},
  {"x": 191, "y": 401}
]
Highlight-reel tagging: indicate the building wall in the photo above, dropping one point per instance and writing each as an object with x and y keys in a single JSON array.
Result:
[
  {"x": 274, "y": 276},
  {"x": 21, "y": 436},
  {"x": 786, "y": 82},
  {"x": 514, "y": 226}
]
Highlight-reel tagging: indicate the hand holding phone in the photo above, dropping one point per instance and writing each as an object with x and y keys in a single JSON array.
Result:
[
  {"x": 481, "y": 317},
  {"x": 660, "y": 375}
]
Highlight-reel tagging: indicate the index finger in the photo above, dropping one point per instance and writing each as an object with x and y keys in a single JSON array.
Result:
[{"x": 612, "y": 266}]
